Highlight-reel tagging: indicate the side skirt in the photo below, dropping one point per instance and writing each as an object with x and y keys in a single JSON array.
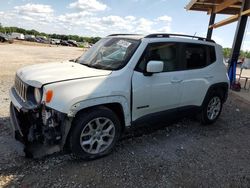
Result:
[{"x": 167, "y": 115}]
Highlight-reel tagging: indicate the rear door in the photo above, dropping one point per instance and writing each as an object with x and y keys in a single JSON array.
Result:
[{"x": 198, "y": 73}]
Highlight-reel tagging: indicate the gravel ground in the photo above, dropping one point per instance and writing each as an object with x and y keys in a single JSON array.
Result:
[{"x": 170, "y": 154}]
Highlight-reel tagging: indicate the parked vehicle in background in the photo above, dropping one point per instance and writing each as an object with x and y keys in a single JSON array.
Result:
[
  {"x": 121, "y": 81},
  {"x": 42, "y": 40},
  {"x": 41, "y": 37},
  {"x": 15, "y": 35},
  {"x": 33, "y": 40},
  {"x": 55, "y": 41},
  {"x": 73, "y": 43},
  {"x": 29, "y": 37},
  {"x": 5, "y": 38},
  {"x": 65, "y": 43}
]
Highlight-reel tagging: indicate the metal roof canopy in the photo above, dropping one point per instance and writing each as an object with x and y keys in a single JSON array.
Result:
[
  {"x": 240, "y": 9},
  {"x": 217, "y": 6},
  {"x": 230, "y": 7}
]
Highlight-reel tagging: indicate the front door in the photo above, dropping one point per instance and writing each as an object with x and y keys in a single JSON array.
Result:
[{"x": 160, "y": 91}]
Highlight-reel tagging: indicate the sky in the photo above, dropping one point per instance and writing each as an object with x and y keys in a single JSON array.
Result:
[{"x": 104, "y": 17}]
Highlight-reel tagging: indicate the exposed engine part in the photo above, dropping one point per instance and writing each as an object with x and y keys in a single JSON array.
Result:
[
  {"x": 42, "y": 131},
  {"x": 44, "y": 126},
  {"x": 49, "y": 117}
]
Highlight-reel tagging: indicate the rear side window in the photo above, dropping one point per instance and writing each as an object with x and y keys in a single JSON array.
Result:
[{"x": 198, "y": 56}]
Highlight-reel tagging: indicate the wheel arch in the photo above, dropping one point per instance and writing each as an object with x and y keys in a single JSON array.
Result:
[
  {"x": 116, "y": 107},
  {"x": 221, "y": 88},
  {"x": 118, "y": 104}
]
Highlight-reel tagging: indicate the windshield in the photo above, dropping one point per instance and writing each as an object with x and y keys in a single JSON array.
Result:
[{"x": 109, "y": 53}]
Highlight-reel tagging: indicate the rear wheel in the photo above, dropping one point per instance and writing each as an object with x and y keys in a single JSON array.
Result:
[
  {"x": 94, "y": 133},
  {"x": 211, "y": 109}
]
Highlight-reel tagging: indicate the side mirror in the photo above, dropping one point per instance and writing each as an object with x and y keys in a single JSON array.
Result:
[{"x": 155, "y": 66}]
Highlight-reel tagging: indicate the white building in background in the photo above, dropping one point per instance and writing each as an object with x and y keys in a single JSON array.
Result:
[{"x": 17, "y": 36}]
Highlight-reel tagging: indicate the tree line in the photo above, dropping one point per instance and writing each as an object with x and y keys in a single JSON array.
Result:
[
  {"x": 77, "y": 38},
  {"x": 227, "y": 53},
  {"x": 92, "y": 40}
]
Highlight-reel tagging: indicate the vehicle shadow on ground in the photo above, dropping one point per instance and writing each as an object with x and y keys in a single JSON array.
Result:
[
  {"x": 185, "y": 125},
  {"x": 174, "y": 128}
]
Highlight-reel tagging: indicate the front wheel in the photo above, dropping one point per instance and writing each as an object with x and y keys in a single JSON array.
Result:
[
  {"x": 94, "y": 133},
  {"x": 211, "y": 109}
]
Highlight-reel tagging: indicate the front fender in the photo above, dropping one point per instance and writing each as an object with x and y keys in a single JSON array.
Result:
[{"x": 101, "y": 101}]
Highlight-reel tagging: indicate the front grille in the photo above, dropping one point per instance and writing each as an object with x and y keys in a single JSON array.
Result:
[{"x": 21, "y": 88}]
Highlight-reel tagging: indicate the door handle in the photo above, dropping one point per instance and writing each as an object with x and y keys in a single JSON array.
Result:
[
  {"x": 176, "y": 80},
  {"x": 208, "y": 76}
]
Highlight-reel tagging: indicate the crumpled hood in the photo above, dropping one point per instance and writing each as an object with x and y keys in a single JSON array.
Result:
[{"x": 40, "y": 74}]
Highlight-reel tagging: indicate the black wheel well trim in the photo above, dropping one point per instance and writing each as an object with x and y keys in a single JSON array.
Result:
[
  {"x": 115, "y": 107},
  {"x": 218, "y": 87}
]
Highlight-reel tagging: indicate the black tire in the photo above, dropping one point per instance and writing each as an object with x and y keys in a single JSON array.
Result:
[
  {"x": 204, "y": 115},
  {"x": 82, "y": 120}
]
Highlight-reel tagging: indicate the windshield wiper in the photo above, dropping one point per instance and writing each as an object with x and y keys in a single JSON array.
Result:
[
  {"x": 96, "y": 66},
  {"x": 85, "y": 64},
  {"x": 75, "y": 60}
]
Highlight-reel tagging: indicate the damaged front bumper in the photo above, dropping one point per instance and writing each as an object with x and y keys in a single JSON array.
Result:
[{"x": 41, "y": 130}]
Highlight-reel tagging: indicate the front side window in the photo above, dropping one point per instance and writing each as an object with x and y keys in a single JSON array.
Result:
[
  {"x": 165, "y": 52},
  {"x": 109, "y": 53}
]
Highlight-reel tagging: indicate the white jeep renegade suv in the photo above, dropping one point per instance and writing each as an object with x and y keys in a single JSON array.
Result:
[{"x": 121, "y": 81}]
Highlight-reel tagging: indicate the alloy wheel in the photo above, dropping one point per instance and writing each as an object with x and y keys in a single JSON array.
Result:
[
  {"x": 214, "y": 107},
  {"x": 97, "y": 135}
]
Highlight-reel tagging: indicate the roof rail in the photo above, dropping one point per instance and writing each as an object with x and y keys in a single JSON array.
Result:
[
  {"x": 121, "y": 34},
  {"x": 168, "y": 35}
]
